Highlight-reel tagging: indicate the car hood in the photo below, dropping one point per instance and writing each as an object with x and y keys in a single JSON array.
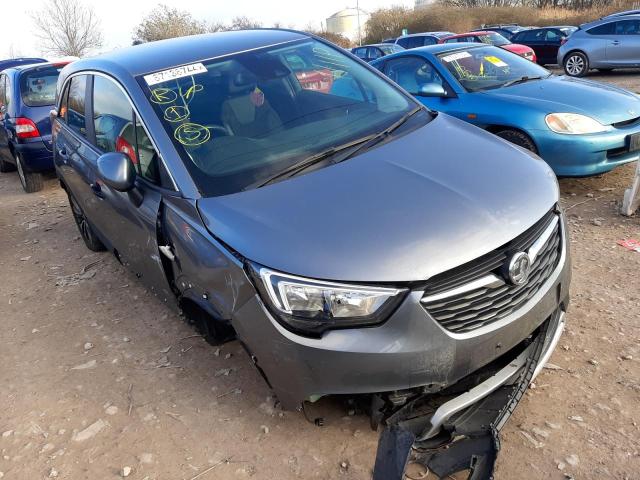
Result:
[
  {"x": 426, "y": 202},
  {"x": 605, "y": 103},
  {"x": 516, "y": 48}
]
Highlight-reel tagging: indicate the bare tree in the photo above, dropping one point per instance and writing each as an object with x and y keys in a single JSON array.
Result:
[
  {"x": 165, "y": 22},
  {"x": 244, "y": 23},
  {"x": 66, "y": 27}
]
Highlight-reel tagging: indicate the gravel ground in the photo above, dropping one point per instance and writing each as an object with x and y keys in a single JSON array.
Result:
[{"x": 101, "y": 380}]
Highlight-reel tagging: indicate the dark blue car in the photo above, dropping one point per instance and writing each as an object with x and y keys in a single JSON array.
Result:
[
  {"x": 15, "y": 62},
  {"x": 27, "y": 94}
]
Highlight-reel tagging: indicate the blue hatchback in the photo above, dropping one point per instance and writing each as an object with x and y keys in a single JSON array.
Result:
[
  {"x": 578, "y": 127},
  {"x": 27, "y": 94}
]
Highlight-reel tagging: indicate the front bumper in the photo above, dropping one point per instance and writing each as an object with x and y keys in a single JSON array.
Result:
[
  {"x": 409, "y": 350},
  {"x": 585, "y": 155}
]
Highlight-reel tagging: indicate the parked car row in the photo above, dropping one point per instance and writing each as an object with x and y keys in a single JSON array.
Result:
[
  {"x": 280, "y": 191},
  {"x": 605, "y": 44}
]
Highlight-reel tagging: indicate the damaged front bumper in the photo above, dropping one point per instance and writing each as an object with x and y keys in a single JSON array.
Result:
[{"x": 444, "y": 436}]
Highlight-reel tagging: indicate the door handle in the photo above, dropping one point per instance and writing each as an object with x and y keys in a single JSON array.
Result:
[
  {"x": 97, "y": 190},
  {"x": 63, "y": 153},
  {"x": 616, "y": 42}
]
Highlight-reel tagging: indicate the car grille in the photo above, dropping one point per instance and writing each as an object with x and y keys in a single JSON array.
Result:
[{"x": 475, "y": 294}]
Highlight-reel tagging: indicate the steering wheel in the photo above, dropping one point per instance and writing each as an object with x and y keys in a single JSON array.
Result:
[{"x": 218, "y": 128}]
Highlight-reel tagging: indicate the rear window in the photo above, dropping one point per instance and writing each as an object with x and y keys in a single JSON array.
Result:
[{"x": 38, "y": 87}]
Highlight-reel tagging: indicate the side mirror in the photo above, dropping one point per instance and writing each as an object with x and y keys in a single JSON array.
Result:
[
  {"x": 432, "y": 90},
  {"x": 117, "y": 171}
]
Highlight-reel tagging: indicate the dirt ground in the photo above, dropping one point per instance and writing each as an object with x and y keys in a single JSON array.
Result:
[{"x": 97, "y": 376}]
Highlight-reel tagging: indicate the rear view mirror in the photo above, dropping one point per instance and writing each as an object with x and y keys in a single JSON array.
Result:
[
  {"x": 432, "y": 90},
  {"x": 117, "y": 171}
]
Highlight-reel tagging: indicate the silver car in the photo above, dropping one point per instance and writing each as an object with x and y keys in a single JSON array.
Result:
[{"x": 612, "y": 42}]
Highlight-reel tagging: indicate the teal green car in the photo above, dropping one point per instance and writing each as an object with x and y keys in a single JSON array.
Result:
[{"x": 579, "y": 127}]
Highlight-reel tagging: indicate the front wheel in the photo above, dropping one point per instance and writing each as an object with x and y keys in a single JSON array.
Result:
[
  {"x": 31, "y": 181},
  {"x": 89, "y": 237},
  {"x": 576, "y": 64},
  {"x": 518, "y": 138}
]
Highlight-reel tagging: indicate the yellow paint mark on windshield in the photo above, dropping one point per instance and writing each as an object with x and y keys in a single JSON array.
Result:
[
  {"x": 176, "y": 113},
  {"x": 163, "y": 96},
  {"x": 192, "y": 134}
]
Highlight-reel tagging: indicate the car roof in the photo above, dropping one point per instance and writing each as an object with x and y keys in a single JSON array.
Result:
[
  {"x": 426, "y": 34},
  {"x": 381, "y": 44},
  {"x": 446, "y": 47},
  {"x": 475, "y": 32},
  {"x": 163, "y": 54},
  {"x": 623, "y": 13},
  {"x": 610, "y": 19}
]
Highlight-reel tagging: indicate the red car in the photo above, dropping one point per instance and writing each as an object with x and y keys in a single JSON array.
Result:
[{"x": 492, "y": 38}]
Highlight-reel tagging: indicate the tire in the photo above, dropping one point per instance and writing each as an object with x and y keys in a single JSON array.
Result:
[
  {"x": 576, "y": 64},
  {"x": 518, "y": 138},
  {"x": 31, "y": 181},
  {"x": 6, "y": 167},
  {"x": 89, "y": 237}
]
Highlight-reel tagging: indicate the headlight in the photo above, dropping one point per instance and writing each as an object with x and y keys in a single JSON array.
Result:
[
  {"x": 311, "y": 307},
  {"x": 573, "y": 124}
]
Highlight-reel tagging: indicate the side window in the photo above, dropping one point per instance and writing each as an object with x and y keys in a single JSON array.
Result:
[
  {"x": 146, "y": 155},
  {"x": 552, "y": 36},
  {"x": 360, "y": 52},
  {"x": 2, "y": 90},
  {"x": 113, "y": 120},
  {"x": 375, "y": 53},
  {"x": 430, "y": 41},
  {"x": 604, "y": 29},
  {"x": 112, "y": 115},
  {"x": 412, "y": 73},
  {"x": 76, "y": 104},
  {"x": 7, "y": 91},
  {"x": 627, "y": 27},
  {"x": 63, "y": 112}
]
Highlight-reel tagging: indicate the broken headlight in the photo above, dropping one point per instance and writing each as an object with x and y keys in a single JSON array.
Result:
[{"x": 310, "y": 307}]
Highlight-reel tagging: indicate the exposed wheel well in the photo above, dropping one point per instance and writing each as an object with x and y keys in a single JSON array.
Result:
[
  {"x": 498, "y": 128},
  {"x": 215, "y": 331}
]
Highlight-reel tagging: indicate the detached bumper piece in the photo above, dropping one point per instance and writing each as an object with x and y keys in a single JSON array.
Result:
[{"x": 451, "y": 432}]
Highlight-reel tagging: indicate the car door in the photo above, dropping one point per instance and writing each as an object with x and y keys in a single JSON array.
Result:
[
  {"x": 553, "y": 39},
  {"x": 623, "y": 47},
  {"x": 128, "y": 219},
  {"x": 4, "y": 139}
]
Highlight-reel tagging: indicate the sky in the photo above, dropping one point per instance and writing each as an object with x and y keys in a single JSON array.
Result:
[{"x": 119, "y": 17}]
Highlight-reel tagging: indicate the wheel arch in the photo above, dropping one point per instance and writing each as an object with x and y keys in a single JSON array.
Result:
[{"x": 495, "y": 128}]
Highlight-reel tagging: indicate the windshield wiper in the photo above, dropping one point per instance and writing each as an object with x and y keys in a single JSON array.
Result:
[
  {"x": 363, "y": 142},
  {"x": 307, "y": 162},
  {"x": 378, "y": 137},
  {"x": 522, "y": 79}
]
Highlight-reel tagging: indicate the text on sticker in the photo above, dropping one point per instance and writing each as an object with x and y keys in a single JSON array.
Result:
[
  {"x": 173, "y": 73},
  {"x": 456, "y": 56}
]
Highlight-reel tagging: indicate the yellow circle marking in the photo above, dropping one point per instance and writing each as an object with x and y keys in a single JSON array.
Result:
[
  {"x": 192, "y": 134},
  {"x": 162, "y": 96},
  {"x": 176, "y": 113}
]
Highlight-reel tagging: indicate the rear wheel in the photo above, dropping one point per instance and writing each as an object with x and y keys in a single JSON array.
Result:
[
  {"x": 90, "y": 239},
  {"x": 576, "y": 64},
  {"x": 31, "y": 181},
  {"x": 518, "y": 138}
]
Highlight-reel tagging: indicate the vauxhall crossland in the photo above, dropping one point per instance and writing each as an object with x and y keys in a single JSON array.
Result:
[{"x": 284, "y": 193}]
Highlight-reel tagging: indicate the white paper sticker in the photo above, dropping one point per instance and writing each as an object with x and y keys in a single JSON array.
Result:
[
  {"x": 456, "y": 56},
  {"x": 173, "y": 73}
]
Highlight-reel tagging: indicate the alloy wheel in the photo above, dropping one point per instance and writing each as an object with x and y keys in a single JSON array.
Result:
[
  {"x": 80, "y": 219},
  {"x": 575, "y": 65}
]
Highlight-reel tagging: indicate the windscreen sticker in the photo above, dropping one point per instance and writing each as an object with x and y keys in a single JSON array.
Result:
[
  {"x": 496, "y": 61},
  {"x": 456, "y": 56},
  {"x": 174, "y": 73}
]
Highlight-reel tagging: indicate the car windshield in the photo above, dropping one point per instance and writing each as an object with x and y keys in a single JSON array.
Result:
[
  {"x": 389, "y": 49},
  {"x": 246, "y": 117},
  {"x": 494, "y": 39},
  {"x": 568, "y": 30},
  {"x": 485, "y": 68},
  {"x": 38, "y": 86}
]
